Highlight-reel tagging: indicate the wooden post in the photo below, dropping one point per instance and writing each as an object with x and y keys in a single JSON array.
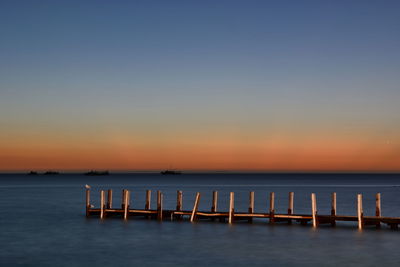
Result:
[
  {"x": 251, "y": 205},
  {"x": 179, "y": 198},
  {"x": 333, "y": 208},
  {"x": 271, "y": 207},
  {"x": 87, "y": 202},
  {"x": 195, "y": 207},
  {"x": 102, "y": 206},
  {"x": 214, "y": 201},
  {"x": 147, "y": 203},
  {"x": 231, "y": 207},
  {"x": 126, "y": 204},
  {"x": 123, "y": 198},
  {"x": 179, "y": 204},
  {"x": 314, "y": 209},
  {"x": 159, "y": 205},
  {"x": 360, "y": 212},
  {"x": 378, "y": 212},
  {"x": 148, "y": 200},
  {"x": 109, "y": 199},
  {"x": 214, "y": 205},
  {"x": 291, "y": 205}
]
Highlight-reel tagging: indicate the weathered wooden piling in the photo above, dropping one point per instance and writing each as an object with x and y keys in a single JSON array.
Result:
[
  {"x": 214, "y": 201},
  {"x": 147, "y": 204},
  {"x": 272, "y": 207},
  {"x": 214, "y": 204},
  {"x": 314, "y": 210},
  {"x": 148, "y": 200},
  {"x": 87, "y": 202},
  {"x": 231, "y": 207},
  {"x": 251, "y": 205},
  {"x": 195, "y": 207},
  {"x": 291, "y": 205},
  {"x": 109, "y": 198},
  {"x": 179, "y": 200},
  {"x": 179, "y": 204},
  {"x": 333, "y": 208},
  {"x": 102, "y": 205},
  {"x": 126, "y": 204},
  {"x": 360, "y": 213},
  {"x": 159, "y": 205},
  {"x": 378, "y": 212}
]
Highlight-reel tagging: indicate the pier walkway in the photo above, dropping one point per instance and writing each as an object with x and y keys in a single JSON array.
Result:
[{"x": 106, "y": 210}]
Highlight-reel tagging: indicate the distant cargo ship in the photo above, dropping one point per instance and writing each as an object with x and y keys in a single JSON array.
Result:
[
  {"x": 96, "y": 173},
  {"x": 170, "y": 172}
]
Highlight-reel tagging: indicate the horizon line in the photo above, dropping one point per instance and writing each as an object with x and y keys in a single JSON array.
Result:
[{"x": 78, "y": 171}]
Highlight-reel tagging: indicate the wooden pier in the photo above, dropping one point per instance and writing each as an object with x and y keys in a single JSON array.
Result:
[{"x": 126, "y": 211}]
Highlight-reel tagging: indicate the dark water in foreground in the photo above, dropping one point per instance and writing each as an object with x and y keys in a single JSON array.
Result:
[{"x": 42, "y": 222}]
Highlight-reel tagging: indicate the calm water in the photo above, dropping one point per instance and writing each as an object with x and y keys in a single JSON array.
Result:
[{"x": 42, "y": 222}]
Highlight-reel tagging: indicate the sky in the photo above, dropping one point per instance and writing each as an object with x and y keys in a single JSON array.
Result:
[{"x": 200, "y": 85}]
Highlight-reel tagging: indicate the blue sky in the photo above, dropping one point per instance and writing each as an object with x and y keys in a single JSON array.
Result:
[{"x": 244, "y": 69}]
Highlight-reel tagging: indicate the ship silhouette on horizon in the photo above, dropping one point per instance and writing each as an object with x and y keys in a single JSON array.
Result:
[{"x": 171, "y": 172}]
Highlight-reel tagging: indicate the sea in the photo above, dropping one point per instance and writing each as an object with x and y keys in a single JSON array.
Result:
[{"x": 43, "y": 222}]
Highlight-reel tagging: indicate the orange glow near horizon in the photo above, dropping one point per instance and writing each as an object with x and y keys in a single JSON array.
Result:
[{"x": 229, "y": 154}]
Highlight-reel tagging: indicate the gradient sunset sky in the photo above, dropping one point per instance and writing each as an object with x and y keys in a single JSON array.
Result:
[{"x": 200, "y": 85}]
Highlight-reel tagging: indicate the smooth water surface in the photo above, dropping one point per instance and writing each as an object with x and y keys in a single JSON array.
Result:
[{"x": 43, "y": 223}]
